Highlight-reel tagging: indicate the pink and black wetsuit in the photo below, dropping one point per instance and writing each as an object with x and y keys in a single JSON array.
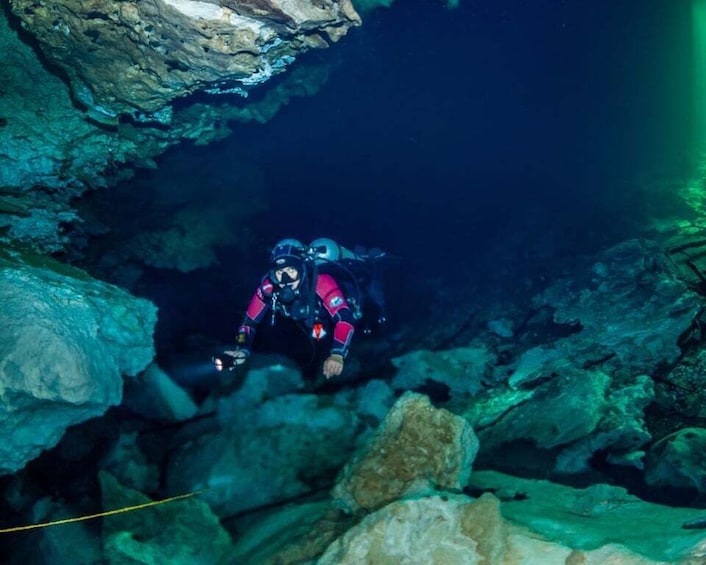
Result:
[{"x": 329, "y": 301}]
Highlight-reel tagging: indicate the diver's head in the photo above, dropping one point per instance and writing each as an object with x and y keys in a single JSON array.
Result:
[
  {"x": 290, "y": 275},
  {"x": 287, "y": 263}
]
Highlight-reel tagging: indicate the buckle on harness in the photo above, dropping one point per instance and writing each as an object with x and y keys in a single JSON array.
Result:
[{"x": 318, "y": 331}]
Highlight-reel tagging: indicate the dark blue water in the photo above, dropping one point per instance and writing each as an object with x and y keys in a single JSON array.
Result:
[
  {"x": 443, "y": 134},
  {"x": 442, "y": 127}
]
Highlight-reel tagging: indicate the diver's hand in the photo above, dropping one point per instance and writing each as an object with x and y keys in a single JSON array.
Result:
[
  {"x": 333, "y": 366},
  {"x": 240, "y": 356},
  {"x": 230, "y": 359}
]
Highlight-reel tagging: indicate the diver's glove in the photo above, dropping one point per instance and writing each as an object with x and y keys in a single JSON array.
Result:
[{"x": 231, "y": 359}]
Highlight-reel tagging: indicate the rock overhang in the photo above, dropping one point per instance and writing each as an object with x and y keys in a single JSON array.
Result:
[{"x": 135, "y": 58}]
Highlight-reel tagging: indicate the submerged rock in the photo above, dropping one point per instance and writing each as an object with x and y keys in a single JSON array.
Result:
[
  {"x": 294, "y": 533},
  {"x": 265, "y": 445},
  {"x": 457, "y": 530},
  {"x": 137, "y": 57},
  {"x": 47, "y": 149},
  {"x": 678, "y": 460},
  {"x": 594, "y": 520},
  {"x": 178, "y": 532},
  {"x": 417, "y": 449},
  {"x": 157, "y": 397},
  {"x": 462, "y": 370},
  {"x": 51, "y": 154},
  {"x": 66, "y": 340},
  {"x": 631, "y": 307},
  {"x": 586, "y": 393}
]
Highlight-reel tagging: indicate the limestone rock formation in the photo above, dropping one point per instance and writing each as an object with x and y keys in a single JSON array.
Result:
[
  {"x": 630, "y": 306},
  {"x": 461, "y": 369},
  {"x": 267, "y": 444},
  {"x": 576, "y": 414},
  {"x": 181, "y": 532},
  {"x": 681, "y": 390},
  {"x": 623, "y": 316},
  {"x": 510, "y": 520},
  {"x": 66, "y": 340},
  {"x": 456, "y": 530},
  {"x": 137, "y": 57},
  {"x": 628, "y": 311},
  {"x": 51, "y": 154},
  {"x": 678, "y": 460},
  {"x": 595, "y": 518},
  {"x": 156, "y": 396},
  {"x": 417, "y": 449},
  {"x": 44, "y": 143}
]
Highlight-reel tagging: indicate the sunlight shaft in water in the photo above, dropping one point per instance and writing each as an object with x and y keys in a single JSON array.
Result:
[{"x": 698, "y": 10}]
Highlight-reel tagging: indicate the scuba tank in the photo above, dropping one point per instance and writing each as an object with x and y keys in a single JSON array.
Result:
[{"x": 331, "y": 258}]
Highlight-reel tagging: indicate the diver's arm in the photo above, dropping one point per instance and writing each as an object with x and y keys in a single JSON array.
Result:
[
  {"x": 257, "y": 309},
  {"x": 343, "y": 329}
]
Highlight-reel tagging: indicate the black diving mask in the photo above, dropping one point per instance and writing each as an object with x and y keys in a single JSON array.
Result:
[{"x": 286, "y": 279}]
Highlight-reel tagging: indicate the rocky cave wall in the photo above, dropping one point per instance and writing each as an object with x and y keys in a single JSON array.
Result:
[{"x": 94, "y": 90}]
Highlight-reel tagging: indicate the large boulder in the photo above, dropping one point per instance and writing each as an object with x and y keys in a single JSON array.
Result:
[
  {"x": 417, "y": 450},
  {"x": 456, "y": 530},
  {"x": 66, "y": 340}
]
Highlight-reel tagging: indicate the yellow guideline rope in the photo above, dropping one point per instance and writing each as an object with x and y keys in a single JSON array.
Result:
[{"x": 100, "y": 514}]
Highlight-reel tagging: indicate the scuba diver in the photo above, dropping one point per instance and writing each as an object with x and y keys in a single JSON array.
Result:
[{"x": 325, "y": 288}]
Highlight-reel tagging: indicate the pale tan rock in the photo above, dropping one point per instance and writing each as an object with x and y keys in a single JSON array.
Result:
[
  {"x": 417, "y": 449},
  {"x": 457, "y": 530}
]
